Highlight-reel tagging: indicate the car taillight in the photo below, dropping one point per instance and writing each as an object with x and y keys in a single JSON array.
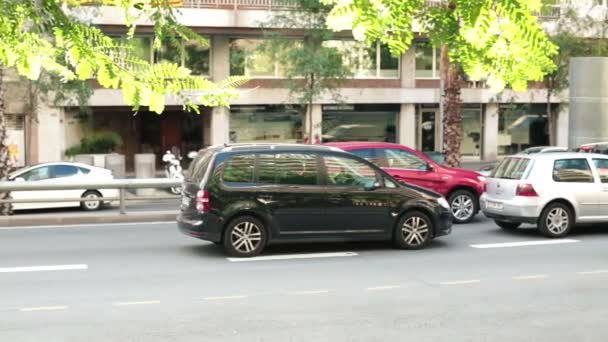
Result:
[
  {"x": 203, "y": 205},
  {"x": 525, "y": 190}
]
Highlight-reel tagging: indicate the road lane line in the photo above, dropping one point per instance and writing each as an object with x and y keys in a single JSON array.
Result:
[
  {"x": 43, "y": 268},
  {"x": 524, "y": 243},
  {"x": 144, "y": 302},
  {"x": 43, "y": 308},
  {"x": 295, "y": 256},
  {"x": 382, "y": 288},
  {"x": 90, "y": 225},
  {"x": 461, "y": 282},
  {"x": 224, "y": 297},
  {"x": 313, "y": 292},
  {"x": 530, "y": 277},
  {"x": 593, "y": 272}
]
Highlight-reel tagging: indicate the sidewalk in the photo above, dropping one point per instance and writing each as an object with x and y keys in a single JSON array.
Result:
[{"x": 81, "y": 218}]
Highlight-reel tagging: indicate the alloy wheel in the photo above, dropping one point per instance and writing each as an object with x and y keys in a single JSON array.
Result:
[
  {"x": 462, "y": 207},
  {"x": 246, "y": 237},
  {"x": 94, "y": 203},
  {"x": 415, "y": 231},
  {"x": 557, "y": 221}
]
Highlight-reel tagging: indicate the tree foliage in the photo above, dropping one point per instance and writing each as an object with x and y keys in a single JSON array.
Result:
[
  {"x": 499, "y": 40},
  {"x": 310, "y": 66},
  {"x": 48, "y": 35}
]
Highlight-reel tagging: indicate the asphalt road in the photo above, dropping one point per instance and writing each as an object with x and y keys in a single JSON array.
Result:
[
  {"x": 147, "y": 282},
  {"x": 132, "y": 207}
]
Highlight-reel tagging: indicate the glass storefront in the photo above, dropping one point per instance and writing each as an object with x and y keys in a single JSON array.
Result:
[
  {"x": 269, "y": 123},
  {"x": 359, "y": 123},
  {"x": 471, "y": 142},
  {"x": 522, "y": 126}
]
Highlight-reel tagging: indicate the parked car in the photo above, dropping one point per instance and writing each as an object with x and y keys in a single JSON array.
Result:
[
  {"x": 598, "y": 147},
  {"x": 554, "y": 191},
  {"x": 461, "y": 187},
  {"x": 61, "y": 173},
  {"x": 247, "y": 196}
]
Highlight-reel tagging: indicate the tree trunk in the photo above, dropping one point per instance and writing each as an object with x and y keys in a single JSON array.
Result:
[
  {"x": 452, "y": 119},
  {"x": 5, "y": 162}
]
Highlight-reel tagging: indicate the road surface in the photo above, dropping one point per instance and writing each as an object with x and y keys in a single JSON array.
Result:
[{"x": 146, "y": 282}]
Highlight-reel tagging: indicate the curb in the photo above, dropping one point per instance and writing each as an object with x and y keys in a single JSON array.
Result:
[{"x": 58, "y": 220}]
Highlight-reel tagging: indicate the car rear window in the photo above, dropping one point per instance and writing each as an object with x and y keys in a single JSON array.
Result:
[
  {"x": 511, "y": 168},
  {"x": 199, "y": 165}
]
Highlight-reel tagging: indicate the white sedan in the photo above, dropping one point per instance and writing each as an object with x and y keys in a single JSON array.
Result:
[{"x": 61, "y": 173}]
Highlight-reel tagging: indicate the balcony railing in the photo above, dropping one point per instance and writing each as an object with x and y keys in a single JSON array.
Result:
[{"x": 546, "y": 12}]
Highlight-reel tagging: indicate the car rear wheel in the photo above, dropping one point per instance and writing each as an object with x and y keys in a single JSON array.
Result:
[
  {"x": 414, "y": 231},
  {"x": 93, "y": 203},
  {"x": 463, "y": 205},
  {"x": 510, "y": 226},
  {"x": 245, "y": 237},
  {"x": 556, "y": 220}
]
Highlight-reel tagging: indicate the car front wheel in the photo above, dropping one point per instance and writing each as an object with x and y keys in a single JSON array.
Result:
[
  {"x": 245, "y": 237},
  {"x": 463, "y": 205},
  {"x": 93, "y": 203},
  {"x": 414, "y": 231}
]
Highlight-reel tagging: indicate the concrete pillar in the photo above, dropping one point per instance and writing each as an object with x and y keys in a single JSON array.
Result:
[
  {"x": 220, "y": 126},
  {"x": 490, "y": 132},
  {"x": 561, "y": 129},
  {"x": 317, "y": 121},
  {"x": 145, "y": 167},
  {"x": 588, "y": 98},
  {"x": 407, "y": 69},
  {"x": 406, "y": 125},
  {"x": 117, "y": 163},
  {"x": 220, "y": 70},
  {"x": 51, "y": 134}
]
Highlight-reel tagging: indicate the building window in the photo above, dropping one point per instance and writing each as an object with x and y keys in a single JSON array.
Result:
[
  {"x": 265, "y": 124},
  {"x": 359, "y": 123},
  {"x": 520, "y": 127},
  {"x": 427, "y": 61},
  {"x": 252, "y": 58},
  {"x": 366, "y": 61},
  {"x": 194, "y": 55}
]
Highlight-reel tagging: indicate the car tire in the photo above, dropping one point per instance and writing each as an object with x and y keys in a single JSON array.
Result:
[
  {"x": 463, "y": 206},
  {"x": 414, "y": 231},
  {"x": 245, "y": 237},
  {"x": 94, "y": 204},
  {"x": 556, "y": 220},
  {"x": 508, "y": 226}
]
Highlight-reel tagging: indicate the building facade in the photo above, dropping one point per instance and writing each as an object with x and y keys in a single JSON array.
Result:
[{"x": 387, "y": 98}]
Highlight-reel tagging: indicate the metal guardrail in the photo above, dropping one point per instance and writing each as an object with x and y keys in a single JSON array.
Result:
[{"x": 122, "y": 185}]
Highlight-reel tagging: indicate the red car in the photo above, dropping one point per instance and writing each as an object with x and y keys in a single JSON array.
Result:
[{"x": 461, "y": 187}]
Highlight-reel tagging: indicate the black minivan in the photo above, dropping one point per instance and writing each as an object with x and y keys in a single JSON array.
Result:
[{"x": 247, "y": 196}]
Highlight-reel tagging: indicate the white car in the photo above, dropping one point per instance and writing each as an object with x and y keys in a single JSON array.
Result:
[
  {"x": 555, "y": 191},
  {"x": 61, "y": 173}
]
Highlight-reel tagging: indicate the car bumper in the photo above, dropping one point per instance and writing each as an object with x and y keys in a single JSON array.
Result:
[
  {"x": 204, "y": 227},
  {"x": 520, "y": 210},
  {"x": 443, "y": 223}
]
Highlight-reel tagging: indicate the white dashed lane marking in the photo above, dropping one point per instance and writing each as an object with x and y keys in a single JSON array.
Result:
[
  {"x": 461, "y": 282},
  {"x": 145, "y": 302},
  {"x": 593, "y": 272},
  {"x": 530, "y": 277},
  {"x": 313, "y": 292},
  {"x": 524, "y": 243},
  {"x": 295, "y": 256},
  {"x": 224, "y": 297},
  {"x": 43, "y": 308},
  {"x": 383, "y": 288},
  {"x": 43, "y": 268}
]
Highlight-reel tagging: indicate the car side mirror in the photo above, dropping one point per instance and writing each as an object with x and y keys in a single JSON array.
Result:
[
  {"x": 372, "y": 187},
  {"x": 428, "y": 167}
]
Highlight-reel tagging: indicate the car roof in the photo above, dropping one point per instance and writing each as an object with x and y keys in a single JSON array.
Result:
[
  {"x": 560, "y": 155},
  {"x": 255, "y": 147},
  {"x": 362, "y": 144}
]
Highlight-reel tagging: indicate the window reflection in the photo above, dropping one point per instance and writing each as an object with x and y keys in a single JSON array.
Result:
[
  {"x": 359, "y": 123},
  {"x": 265, "y": 124},
  {"x": 520, "y": 127},
  {"x": 348, "y": 172}
]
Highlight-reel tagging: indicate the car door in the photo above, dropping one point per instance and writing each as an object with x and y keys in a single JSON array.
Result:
[
  {"x": 407, "y": 167},
  {"x": 66, "y": 174},
  {"x": 289, "y": 188},
  {"x": 573, "y": 176},
  {"x": 37, "y": 175},
  {"x": 601, "y": 170},
  {"x": 352, "y": 204}
]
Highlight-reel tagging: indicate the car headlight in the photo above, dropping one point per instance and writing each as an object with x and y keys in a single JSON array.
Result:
[{"x": 443, "y": 202}]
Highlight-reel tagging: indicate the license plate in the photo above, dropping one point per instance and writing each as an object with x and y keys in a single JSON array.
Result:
[
  {"x": 494, "y": 205},
  {"x": 185, "y": 201}
]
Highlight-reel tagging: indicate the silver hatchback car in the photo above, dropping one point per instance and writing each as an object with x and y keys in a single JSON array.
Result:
[{"x": 554, "y": 191}]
